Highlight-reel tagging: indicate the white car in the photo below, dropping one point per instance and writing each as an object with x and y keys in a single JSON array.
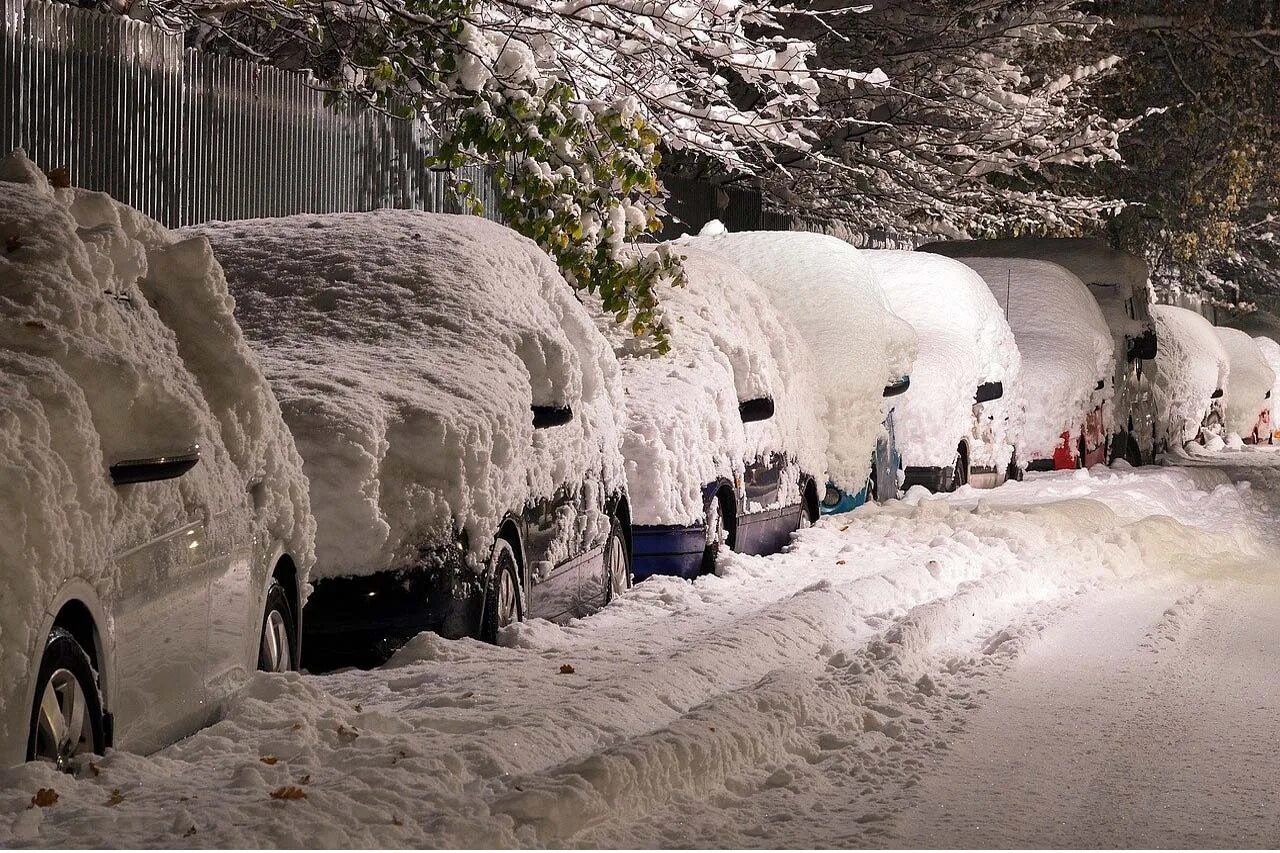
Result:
[
  {"x": 1068, "y": 361},
  {"x": 155, "y": 529},
  {"x": 863, "y": 351},
  {"x": 956, "y": 424},
  {"x": 1192, "y": 370},
  {"x": 722, "y": 439},
  {"x": 1248, "y": 390}
]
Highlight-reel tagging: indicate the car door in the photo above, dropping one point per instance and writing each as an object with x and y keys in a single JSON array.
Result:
[
  {"x": 553, "y": 574},
  {"x": 234, "y": 608}
]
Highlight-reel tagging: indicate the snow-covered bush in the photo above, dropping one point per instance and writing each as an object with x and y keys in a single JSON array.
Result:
[
  {"x": 683, "y": 426},
  {"x": 117, "y": 342},
  {"x": 1064, "y": 343},
  {"x": 827, "y": 289},
  {"x": 407, "y": 349},
  {"x": 1191, "y": 366},
  {"x": 965, "y": 341},
  {"x": 1249, "y": 380}
]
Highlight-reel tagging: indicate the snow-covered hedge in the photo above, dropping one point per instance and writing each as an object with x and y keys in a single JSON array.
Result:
[
  {"x": 1064, "y": 342},
  {"x": 964, "y": 342},
  {"x": 1249, "y": 380},
  {"x": 407, "y": 349},
  {"x": 683, "y": 428},
  {"x": 827, "y": 289},
  {"x": 1190, "y": 365},
  {"x": 117, "y": 341}
]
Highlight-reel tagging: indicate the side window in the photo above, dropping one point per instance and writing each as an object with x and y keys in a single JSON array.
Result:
[{"x": 555, "y": 375}]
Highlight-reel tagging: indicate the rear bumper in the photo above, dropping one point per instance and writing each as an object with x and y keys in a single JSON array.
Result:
[{"x": 667, "y": 549}]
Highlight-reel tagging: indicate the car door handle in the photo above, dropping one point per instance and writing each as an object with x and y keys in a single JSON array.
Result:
[{"x": 157, "y": 468}]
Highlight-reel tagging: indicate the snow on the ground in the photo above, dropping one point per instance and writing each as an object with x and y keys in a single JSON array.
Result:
[
  {"x": 1249, "y": 380},
  {"x": 793, "y": 699}
]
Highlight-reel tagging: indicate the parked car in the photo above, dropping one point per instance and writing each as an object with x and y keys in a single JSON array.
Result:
[
  {"x": 1067, "y": 361},
  {"x": 1271, "y": 353},
  {"x": 155, "y": 530},
  {"x": 955, "y": 424},
  {"x": 1119, "y": 282},
  {"x": 864, "y": 352},
  {"x": 722, "y": 440},
  {"x": 1192, "y": 370},
  {"x": 1248, "y": 390},
  {"x": 457, "y": 414}
]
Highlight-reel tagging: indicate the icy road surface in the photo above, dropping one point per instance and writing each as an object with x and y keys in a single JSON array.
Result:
[{"x": 1087, "y": 658}]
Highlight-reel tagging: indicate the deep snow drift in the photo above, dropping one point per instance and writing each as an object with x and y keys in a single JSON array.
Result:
[
  {"x": 407, "y": 349},
  {"x": 1190, "y": 366},
  {"x": 1249, "y": 380},
  {"x": 1064, "y": 344},
  {"x": 964, "y": 342},
  {"x": 828, "y": 290}
]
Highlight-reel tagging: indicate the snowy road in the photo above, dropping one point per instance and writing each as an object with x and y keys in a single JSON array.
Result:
[{"x": 1085, "y": 659}]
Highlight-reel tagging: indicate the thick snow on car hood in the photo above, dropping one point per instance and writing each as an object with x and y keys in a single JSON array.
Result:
[
  {"x": 1249, "y": 380},
  {"x": 1190, "y": 365},
  {"x": 1063, "y": 341},
  {"x": 964, "y": 342},
  {"x": 828, "y": 290},
  {"x": 683, "y": 428},
  {"x": 92, "y": 373},
  {"x": 407, "y": 349}
]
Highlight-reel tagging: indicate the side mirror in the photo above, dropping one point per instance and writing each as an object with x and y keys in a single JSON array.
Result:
[
  {"x": 900, "y": 387},
  {"x": 551, "y": 416},
  {"x": 759, "y": 409},
  {"x": 1143, "y": 346},
  {"x": 156, "y": 469},
  {"x": 989, "y": 391},
  {"x": 1102, "y": 383},
  {"x": 1216, "y": 394}
]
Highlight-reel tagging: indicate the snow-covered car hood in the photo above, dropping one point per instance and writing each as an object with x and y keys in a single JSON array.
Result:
[
  {"x": 1063, "y": 341},
  {"x": 1190, "y": 365},
  {"x": 683, "y": 426},
  {"x": 965, "y": 341},
  {"x": 1248, "y": 381},
  {"x": 407, "y": 349},
  {"x": 827, "y": 289}
]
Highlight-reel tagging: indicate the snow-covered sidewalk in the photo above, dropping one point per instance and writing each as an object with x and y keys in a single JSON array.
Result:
[{"x": 792, "y": 700}]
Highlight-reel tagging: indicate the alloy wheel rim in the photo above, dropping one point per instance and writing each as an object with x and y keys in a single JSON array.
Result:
[
  {"x": 64, "y": 729},
  {"x": 506, "y": 599},
  {"x": 275, "y": 641},
  {"x": 617, "y": 566},
  {"x": 715, "y": 524}
]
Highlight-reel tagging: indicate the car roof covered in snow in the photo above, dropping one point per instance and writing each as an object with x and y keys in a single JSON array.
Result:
[
  {"x": 407, "y": 349},
  {"x": 1191, "y": 365},
  {"x": 828, "y": 290},
  {"x": 1063, "y": 340},
  {"x": 1248, "y": 382}
]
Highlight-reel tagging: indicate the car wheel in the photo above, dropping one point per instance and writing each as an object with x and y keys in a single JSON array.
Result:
[
  {"x": 278, "y": 642},
  {"x": 617, "y": 567},
  {"x": 717, "y": 534},
  {"x": 1081, "y": 449},
  {"x": 960, "y": 469},
  {"x": 66, "y": 716},
  {"x": 502, "y": 605},
  {"x": 809, "y": 509},
  {"x": 1132, "y": 452}
]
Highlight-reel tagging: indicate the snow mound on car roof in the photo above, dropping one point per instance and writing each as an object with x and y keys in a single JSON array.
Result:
[
  {"x": 407, "y": 349},
  {"x": 1063, "y": 342},
  {"x": 92, "y": 373},
  {"x": 964, "y": 342},
  {"x": 826, "y": 288},
  {"x": 1249, "y": 380},
  {"x": 683, "y": 428},
  {"x": 1190, "y": 365}
]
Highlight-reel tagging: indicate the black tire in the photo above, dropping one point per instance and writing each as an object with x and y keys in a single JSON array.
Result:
[
  {"x": 65, "y": 668},
  {"x": 1132, "y": 452},
  {"x": 617, "y": 578},
  {"x": 1014, "y": 472},
  {"x": 278, "y": 636},
  {"x": 960, "y": 469},
  {"x": 503, "y": 599},
  {"x": 716, "y": 509},
  {"x": 1081, "y": 447}
]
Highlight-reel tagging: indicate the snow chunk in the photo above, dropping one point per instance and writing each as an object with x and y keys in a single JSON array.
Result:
[
  {"x": 1249, "y": 380},
  {"x": 829, "y": 291},
  {"x": 407, "y": 349},
  {"x": 1191, "y": 365}
]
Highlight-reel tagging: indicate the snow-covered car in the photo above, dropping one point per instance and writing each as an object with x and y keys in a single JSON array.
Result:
[
  {"x": 1271, "y": 354},
  {"x": 864, "y": 352},
  {"x": 722, "y": 438},
  {"x": 1192, "y": 371},
  {"x": 957, "y": 424},
  {"x": 1248, "y": 390},
  {"x": 457, "y": 413},
  {"x": 155, "y": 527},
  {"x": 1120, "y": 284},
  {"x": 1068, "y": 360}
]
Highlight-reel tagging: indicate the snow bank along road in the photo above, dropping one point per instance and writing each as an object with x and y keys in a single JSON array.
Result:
[{"x": 1084, "y": 658}]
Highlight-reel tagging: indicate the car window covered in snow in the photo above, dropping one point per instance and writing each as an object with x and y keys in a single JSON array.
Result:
[
  {"x": 683, "y": 425},
  {"x": 407, "y": 349},
  {"x": 92, "y": 373},
  {"x": 1063, "y": 341},
  {"x": 827, "y": 289},
  {"x": 1248, "y": 381},
  {"x": 965, "y": 341},
  {"x": 1191, "y": 365}
]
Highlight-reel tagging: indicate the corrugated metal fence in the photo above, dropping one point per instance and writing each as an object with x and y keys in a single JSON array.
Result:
[{"x": 187, "y": 137}]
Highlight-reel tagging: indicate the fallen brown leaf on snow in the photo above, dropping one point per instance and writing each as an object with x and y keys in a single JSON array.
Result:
[
  {"x": 116, "y": 797},
  {"x": 566, "y": 669},
  {"x": 44, "y": 798},
  {"x": 268, "y": 760},
  {"x": 288, "y": 792}
]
